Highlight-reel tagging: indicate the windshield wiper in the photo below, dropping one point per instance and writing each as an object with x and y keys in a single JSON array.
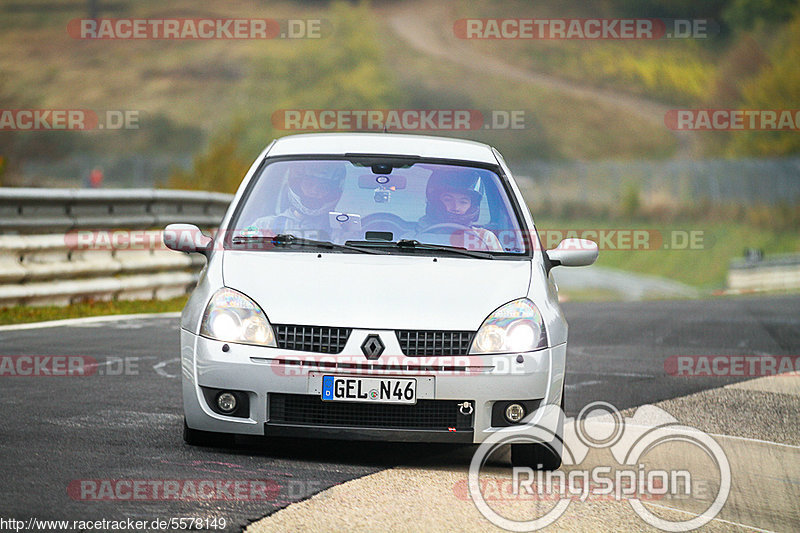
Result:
[
  {"x": 416, "y": 245},
  {"x": 287, "y": 239}
]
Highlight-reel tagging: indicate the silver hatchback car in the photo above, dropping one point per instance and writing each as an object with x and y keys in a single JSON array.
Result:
[{"x": 376, "y": 286}]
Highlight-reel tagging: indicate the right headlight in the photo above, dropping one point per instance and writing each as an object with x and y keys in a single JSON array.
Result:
[
  {"x": 231, "y": 316},
  {"x": 514, "y": 327}
]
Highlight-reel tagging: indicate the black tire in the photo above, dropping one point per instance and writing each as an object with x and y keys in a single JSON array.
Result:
[
  {"x": 196, "y": 437},
  {"x": 539, "y": 456},
  {"x": 536, "y": 456}
]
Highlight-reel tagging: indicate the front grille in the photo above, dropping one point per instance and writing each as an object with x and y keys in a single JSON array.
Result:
[
  {"x": 370, "y": 368},
  {"x": 311, "y": 338},
  {"x": 308, "y": 410},
  {"x": 416, "y": 343}
]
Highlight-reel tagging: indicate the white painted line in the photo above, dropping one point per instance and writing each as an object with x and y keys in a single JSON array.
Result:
[
  {"x": 614, "y": 374},
  {"x": 717, "y": 519},
  {"x": 771, "y": 443},
  {"x": 722, "y": 435},
  {"x": 627, "y": 375},
  {"x": 86, "y": 320},
  {"x": 159, "y": 368},
  {"x": 117, "y": 360},
  {"x": 581, "y": 384}
]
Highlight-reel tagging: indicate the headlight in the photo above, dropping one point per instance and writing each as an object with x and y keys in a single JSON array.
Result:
[
  {"x": 231, "y": 316},
  {"x": 515, "y": 327}
]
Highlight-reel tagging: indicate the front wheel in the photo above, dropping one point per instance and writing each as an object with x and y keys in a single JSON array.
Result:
[
  {"x": 196, "y": 437},
  {"x": 539, "y": 456},
  {"x": 535, "y": 456}
]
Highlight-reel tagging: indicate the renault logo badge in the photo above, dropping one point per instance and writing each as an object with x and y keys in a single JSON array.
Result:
[{"x": 372, "y": 347}]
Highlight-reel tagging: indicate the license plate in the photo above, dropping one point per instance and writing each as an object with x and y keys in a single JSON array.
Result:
[{"x": 378, "y": 390}]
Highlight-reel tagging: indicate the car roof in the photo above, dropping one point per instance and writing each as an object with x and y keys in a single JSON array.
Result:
[{"x": 382, "y": 143}]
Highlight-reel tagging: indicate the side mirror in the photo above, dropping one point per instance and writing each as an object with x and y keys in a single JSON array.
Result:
[
  {"x": 573, "y": 252},
  {"x": 186, "y": 238}
]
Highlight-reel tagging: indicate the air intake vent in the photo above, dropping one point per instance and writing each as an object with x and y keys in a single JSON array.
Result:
[
  {"x": 319, "y": 339},
  {"x": 417, "y": 343},
  {"x": 308, "y": 410}
]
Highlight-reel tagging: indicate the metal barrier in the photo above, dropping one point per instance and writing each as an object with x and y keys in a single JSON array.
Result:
[
  {"x": 56, "y": 246},
  {"x": 58, "y": 210},
  {"x": 780, "y": 272},
  {"x": 662, "y": 182}
]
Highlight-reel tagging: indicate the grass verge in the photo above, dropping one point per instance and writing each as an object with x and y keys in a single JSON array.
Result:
[
  {"x": 704, "y": 267},
  {"x": 21, "y": 314},
  {"x": 589, "y": 295}
]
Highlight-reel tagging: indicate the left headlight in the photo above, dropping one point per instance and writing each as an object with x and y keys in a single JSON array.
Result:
[
  {"x": 514, "y": 327},
  {"x": 231, "y": 316}
]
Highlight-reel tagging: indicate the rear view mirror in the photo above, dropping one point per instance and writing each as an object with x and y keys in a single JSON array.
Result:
[
  {"x": 186, "y": 238},
  {"x": 384, "y": 181},
  {"x": 573, "y": 252}
]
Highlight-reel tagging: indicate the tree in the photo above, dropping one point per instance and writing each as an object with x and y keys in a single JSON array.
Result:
[
  {"x": 776, "y": 87},
  {"x": 745, "y": 15},
  {"x": 220, "y": 167},
  {"x": 342, "y": 70}
]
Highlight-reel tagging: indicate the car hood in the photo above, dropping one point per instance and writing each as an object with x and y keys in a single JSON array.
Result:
[{"x": 375, "y": 291}]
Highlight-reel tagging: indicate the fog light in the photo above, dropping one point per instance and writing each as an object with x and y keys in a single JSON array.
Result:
[
  {"x": 227, "y": 402},
  {"x": 515, "y": 412}
]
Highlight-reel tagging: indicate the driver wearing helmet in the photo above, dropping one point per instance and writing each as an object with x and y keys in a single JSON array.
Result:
[
  {"x": 453, "y": 205},
  {"x": 314, "y": 189}
]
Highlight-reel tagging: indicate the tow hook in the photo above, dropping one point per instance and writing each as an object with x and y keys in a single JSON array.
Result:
[{"x": 465, "y": 408}]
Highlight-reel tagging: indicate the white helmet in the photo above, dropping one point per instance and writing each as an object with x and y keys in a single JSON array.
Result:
[{"x": 315, "y": 187}]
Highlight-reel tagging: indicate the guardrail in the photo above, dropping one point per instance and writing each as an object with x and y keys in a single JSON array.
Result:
[
  {"x": 27, "y": 210},
  {"x": 44, "y": 262},
  {"x": 780, "y": 272}
]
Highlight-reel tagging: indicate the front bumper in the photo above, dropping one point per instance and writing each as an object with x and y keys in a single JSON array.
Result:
[{"x": 260, "y": 371}]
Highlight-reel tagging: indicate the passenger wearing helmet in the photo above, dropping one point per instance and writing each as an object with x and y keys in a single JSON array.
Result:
[
  {"x": 314, "y": 189},
  {"x": 453, "y": 199}
]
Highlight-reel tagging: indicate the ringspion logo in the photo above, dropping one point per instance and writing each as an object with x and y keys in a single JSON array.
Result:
[{"x": 640, "y": 462}]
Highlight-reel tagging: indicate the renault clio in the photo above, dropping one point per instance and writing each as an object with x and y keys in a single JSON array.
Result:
[{"x": 376, "y": 286}]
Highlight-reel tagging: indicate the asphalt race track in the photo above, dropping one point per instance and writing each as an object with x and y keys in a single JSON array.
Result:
[{"x": 125, "y": 421}]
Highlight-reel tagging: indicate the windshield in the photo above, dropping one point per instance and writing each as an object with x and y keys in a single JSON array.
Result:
[{"x": 378, "y": 201}]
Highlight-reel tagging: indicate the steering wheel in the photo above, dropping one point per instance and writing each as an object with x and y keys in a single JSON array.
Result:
[
  {"x": 452, "y": 228},
  {"x": 385, "y": 222}
]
